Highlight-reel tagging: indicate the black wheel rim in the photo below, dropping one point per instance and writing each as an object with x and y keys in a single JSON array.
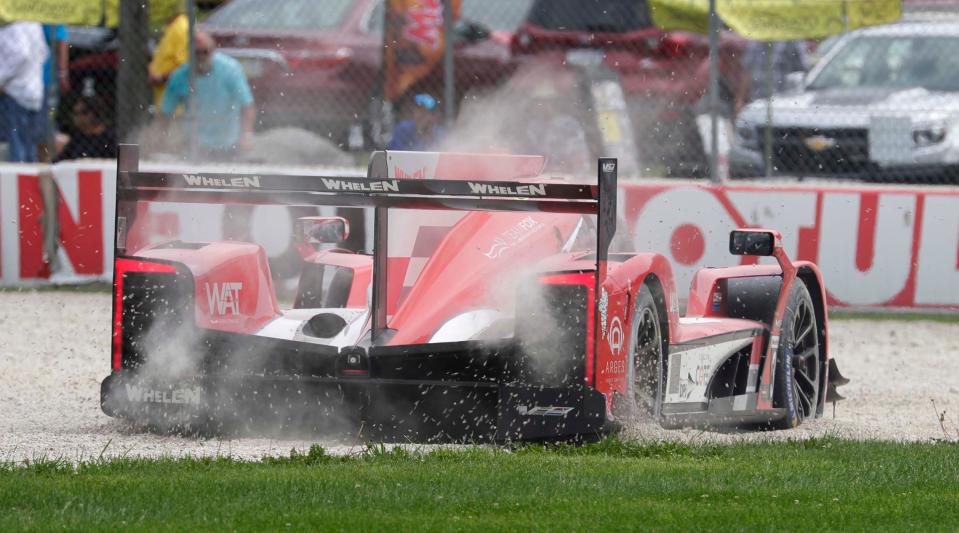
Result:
[
  {"x": 805, "y": 361},
  {"x": 648, "y": 350}
]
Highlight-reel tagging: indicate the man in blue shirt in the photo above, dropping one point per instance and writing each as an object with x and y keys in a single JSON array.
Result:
[
  {"x": 222, "y": 104},
  {"x": 421, "y": 132}
]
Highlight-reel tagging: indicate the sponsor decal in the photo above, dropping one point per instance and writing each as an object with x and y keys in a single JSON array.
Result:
[
  {"x": 603, "y": 307},
  {"x": 361, "y": 186},
  {"x": 773, "y": 350},
  {"x": 616, "y": 338},
  {"x": 790, "y": 402},
  {"x": 486, "y": 189},
  {"x": 615, "y": 367},
  {"x": 499, "y": 247},
  {"x": 516, "y": 234},
  {"x": 223, "y": 298},
  {"x": 691, "y": 369},
  {"x": 184, "y": 396},
  {"x": 418, "y": 174},
  {"x": 239, "y": 182},
  {"x": 695, "y": 378},
  {"x": 538, "y": 410},
  {"x": 717, "y": 300},
  {"x": 609, "y": 166}
]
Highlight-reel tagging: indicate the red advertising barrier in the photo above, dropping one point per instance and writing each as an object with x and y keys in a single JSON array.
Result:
[
  {"x": 83, "y": 224},
  {"x": 877, "y": 246}
]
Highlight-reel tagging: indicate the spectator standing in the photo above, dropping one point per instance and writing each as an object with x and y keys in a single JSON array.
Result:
[
  {"x": 56, "y": 36},
  {"x": 423, "y": 130},
  {"x": 222, "y": 107},
  {"x": 23, "y": 50},
  {"x": 171, "y": 52},
  {"x": 92, "y": 137}
]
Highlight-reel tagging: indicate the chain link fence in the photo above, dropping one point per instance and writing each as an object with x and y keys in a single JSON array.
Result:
[
  {"x": 875, "y": 104},
  {"x": 878, "y": 103}
]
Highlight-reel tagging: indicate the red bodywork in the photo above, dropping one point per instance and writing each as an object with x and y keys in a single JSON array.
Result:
[
  {"x": 232, "y": 284},
  {"x": 487, "y": 261}
]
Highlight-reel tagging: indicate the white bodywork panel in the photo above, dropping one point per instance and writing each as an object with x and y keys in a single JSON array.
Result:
[
  {"x": 690, "y": 369},
  {"x": 289, "y": 326}
]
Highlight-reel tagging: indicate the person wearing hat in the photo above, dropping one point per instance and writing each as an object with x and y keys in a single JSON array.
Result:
[
  {"x": 423, "y": 130},
  {"x": 223, "y": 110}
]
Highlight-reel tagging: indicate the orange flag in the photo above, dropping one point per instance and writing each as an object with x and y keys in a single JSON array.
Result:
[{"x": 413, "y": 42}]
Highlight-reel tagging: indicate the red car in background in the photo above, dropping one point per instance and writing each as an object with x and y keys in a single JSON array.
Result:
[
  {"x": 317, "y": 63},
  {"x": 664, "y": 74}
]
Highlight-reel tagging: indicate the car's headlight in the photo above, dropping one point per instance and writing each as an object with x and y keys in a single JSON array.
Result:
[{"x": 929, "y": 135}]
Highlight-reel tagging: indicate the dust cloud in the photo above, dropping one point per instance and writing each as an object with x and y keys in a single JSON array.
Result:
[{"x": 541, "y": 110}]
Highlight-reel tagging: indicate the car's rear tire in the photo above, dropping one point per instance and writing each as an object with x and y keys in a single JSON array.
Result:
[
  {"x": 645, "y": 360},
  {"x": 799, "y": 367}
]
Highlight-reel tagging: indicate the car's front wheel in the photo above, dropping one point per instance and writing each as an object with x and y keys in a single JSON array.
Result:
[{"x": 797, "y": 382}]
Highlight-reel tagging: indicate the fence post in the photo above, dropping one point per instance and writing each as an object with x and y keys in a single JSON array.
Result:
[
  {"x": 133, "y": 88},
  {"x": 713, "y": 93},
  {"x": 449, "y": 90},
  {"x": 770, "y": 88},
  {"x": 191, "y": 77}
]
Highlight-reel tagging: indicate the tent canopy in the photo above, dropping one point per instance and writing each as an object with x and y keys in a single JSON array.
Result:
[
  {"x": 776, "y": 20},
  {"x": 81, "y": 12}
]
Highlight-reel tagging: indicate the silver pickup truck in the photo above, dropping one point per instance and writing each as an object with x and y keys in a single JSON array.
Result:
[{"x": 883, "y": 103}]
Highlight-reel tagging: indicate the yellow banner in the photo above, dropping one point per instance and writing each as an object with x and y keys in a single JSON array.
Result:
[
  {"x": 688, "y": 15},
  {"x": 784, "y": 20},
  {"x": 776, "y": 20},
  {"x": 80, "y": 12}
]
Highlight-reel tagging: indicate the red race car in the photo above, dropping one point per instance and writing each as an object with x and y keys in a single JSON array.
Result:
[{"x": 490, "y": 308}]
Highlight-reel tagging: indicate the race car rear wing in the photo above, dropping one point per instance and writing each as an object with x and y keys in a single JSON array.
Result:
[{"x": 377, "y": 190}]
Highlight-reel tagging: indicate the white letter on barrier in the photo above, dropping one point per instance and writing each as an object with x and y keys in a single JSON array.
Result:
[
  {"x": 785, "y": 212},
  {"x": 272, "y": 228},
  {"x": 937, "y": 274},
  {"x": 841, "y": 235},
  {"x": 664, "y": 213}
]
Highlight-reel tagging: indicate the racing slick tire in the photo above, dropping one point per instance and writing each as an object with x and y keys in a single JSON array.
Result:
[
  {"x": 799, "y": 369},
  {"x": 644, "y": 360}
]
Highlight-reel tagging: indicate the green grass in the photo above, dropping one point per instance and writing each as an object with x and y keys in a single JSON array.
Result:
[
  {"x": 613, "y": 485},
  {"x": 947, "y": 316}
]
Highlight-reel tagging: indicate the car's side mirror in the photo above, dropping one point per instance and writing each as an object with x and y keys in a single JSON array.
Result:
[
  {"x": 322, "y": 230},
  {"x": 752, "y": 242},
  {"x": 469, "y": 32},
  {"x": 795, "y": 82}
]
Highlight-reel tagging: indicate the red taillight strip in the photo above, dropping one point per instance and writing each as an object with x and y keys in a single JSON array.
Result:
[{"x": 120, "y": 267}]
